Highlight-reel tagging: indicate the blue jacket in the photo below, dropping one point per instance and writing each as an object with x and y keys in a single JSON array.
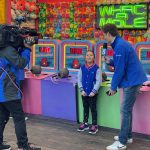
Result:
[
  {"x": 10, "y": 63},
  {"x": 20, "y": 73},
  {"x": 89, "y": 79},
  {"x": 128, "y": 69}
]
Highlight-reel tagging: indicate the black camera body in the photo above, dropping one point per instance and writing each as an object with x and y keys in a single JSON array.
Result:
[
  {"x": 16, "y": 36},
  {"x": 20, "y": 19}
]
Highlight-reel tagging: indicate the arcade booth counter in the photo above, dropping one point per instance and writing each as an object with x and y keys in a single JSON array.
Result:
[
  {"x": 59, "y": 97},
  {"x": 50, "y": 96},
  {"x": 31, "y": 99},
  {"x": 141, "y": 111}
]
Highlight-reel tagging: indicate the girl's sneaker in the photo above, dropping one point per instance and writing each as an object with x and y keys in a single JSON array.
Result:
[
  {"x": 83, "y": 127},
  {"x": 93, "y": 129}
]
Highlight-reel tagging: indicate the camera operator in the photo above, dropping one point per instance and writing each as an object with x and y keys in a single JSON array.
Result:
[
  {"x": 10, "y": 95},
  {"x": 21, "y": 72}
]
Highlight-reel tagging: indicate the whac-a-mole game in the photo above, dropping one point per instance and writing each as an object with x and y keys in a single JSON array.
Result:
[
  {"x": 46, "y": 55},
  {"x": 72, "y": 54}
]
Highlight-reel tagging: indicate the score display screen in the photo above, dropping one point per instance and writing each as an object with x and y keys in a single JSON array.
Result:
[
  {"x": 76, "y": 51},
  {"x": 44, "y": 49},
  {"x": 74, "y": 56},
  {"x": 124, "y": 16}
]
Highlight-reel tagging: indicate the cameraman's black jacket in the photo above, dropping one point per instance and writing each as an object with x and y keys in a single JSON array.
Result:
[{"x": 10, "y": 62}]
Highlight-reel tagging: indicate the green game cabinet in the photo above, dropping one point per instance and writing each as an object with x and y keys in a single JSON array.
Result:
[{"x": 108, "y": 109}]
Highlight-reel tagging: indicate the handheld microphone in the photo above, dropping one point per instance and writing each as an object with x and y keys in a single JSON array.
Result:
[
  {"x": 103, "y": 53},
  {"x": 104, "y": 49}
]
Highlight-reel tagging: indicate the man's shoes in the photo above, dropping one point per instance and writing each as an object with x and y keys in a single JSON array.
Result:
[
  {"x": 26, "y": 118},
  {"x": 5, "y": 147},
  {"x": 83, "y": 127},
  {"x": 129, "y": 141},
  {"x": 93, "y": 129},
  {"x": 116, "y": 146}
]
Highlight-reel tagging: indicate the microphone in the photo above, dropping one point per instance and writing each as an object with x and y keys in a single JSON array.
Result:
[
  {"x": 103, "y": 53},
  {"x": 105, "y": 45},
  {"x": 104, "y": 49}
]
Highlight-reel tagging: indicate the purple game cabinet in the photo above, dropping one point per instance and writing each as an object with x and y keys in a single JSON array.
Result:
[{"x": 59, "y": 98}]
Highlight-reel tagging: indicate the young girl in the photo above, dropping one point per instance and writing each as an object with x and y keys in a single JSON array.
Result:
[{"x": 89, "y": 80}]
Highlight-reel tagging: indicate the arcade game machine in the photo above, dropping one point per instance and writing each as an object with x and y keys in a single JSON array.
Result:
[
  {"x": 107, "y": 107},
  {"x": 72, "y": 54},
  {"x": 72, "y": 57},
  {"x": 46, "y": 57},
  {"x": 141, "y": 111}
]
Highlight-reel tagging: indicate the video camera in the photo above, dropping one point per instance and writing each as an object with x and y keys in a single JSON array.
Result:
[
  {"x": 20, "y": 19},
  {"x": 16, "y": 36}
]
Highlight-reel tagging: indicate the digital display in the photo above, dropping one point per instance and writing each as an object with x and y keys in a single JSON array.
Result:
[
  {"x": 44, "y": 55},
  {"x": 74, "y": 55},
  {"x": 44, "y": 49},
  {"x": 125, "y": 16},
  {"x": 76, "y": 51}
]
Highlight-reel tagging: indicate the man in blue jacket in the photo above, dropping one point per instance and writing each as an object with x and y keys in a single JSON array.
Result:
[
  {"x": 10, "y": 94},
  {"x": 128, "y": 75}
]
